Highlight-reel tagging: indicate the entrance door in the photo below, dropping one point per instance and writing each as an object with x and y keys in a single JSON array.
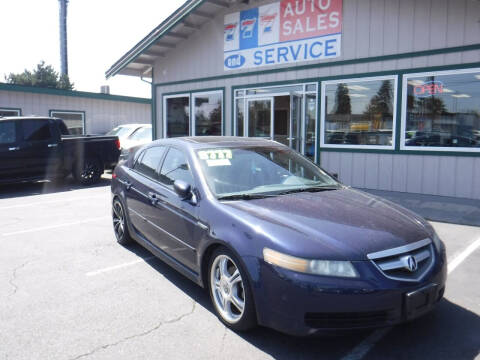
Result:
[{"x": 260, "y": 117}]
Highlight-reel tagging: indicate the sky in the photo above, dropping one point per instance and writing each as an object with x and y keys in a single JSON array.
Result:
[{"x": 99, "y": 33}]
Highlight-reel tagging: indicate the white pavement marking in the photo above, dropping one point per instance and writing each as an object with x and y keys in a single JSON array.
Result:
[
  {"x": 120, "y": 266},
  {"x": 50, "y": 202},
  {"x": 368, "y": 343},
  {"x": 452, "y": 265},
  {"x": 55, "y": 226}
]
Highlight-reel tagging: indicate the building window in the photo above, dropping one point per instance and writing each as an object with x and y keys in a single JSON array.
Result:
[
  {"x": 177, "y": 115},
  {"x": 74, "y": 120},
  {"x": 284, "y": 113},
  {"x": 208, "y": 113},
  {"x": 359, "y": 113},
  {"x": 206, "y": 110},
  {"x": 4, "y": 112},
  {"x": 441, "y": 111}
]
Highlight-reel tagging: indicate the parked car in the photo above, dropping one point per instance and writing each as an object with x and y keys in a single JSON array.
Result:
[
  {"x": 275, "y": 239},
  {"x": 37, "y": 148},
  {"x": 141, "y": 136},
  {"x": 125, "y": 130}
]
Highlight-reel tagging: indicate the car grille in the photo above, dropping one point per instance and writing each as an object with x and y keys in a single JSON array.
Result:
[
  {"x": 350, "y": 319},
  {"x": 408, "y": 263}
]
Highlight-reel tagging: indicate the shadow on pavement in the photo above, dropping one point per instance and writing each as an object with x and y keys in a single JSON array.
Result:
[
  {"x": 276, "y": 344},
  {"x": 449, "y": 332},
  {"x": 45, "y": 187}
]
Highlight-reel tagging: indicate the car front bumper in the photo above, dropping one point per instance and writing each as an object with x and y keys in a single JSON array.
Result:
[{"x": 302, "y": 304}]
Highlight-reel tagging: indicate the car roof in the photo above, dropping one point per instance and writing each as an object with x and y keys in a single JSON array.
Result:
[
  {"x": 132, "y": 125},
  {"x": 201, "y": 142},
  {"x": 33, "y": 117}
]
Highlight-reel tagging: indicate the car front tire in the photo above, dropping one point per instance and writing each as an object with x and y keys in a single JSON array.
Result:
[{"x": 230, "y": 291}]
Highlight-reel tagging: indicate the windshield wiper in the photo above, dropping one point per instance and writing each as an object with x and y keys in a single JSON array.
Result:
[
  {"x": 310, "y": 189},
  {"x": 244, "y": 197}
]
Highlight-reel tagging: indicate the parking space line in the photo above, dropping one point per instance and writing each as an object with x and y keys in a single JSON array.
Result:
[
  {"x": 452, "y": 265},
  {"x": 56, "y": 226},
  {"x": 120, "y": 266},
  {"x": 367, "y": 344},
  {"x": 50, "y": 202}
]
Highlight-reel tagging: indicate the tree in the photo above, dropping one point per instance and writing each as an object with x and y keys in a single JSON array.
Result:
[
  {"x": 382, "y": 102},
  {"x": 43, "y": 76},
  {"x": 342, "y": 100}
]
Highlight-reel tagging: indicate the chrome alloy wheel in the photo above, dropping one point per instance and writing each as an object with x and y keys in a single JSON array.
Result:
[
  {"x": 227, "y": 289},
  {"x": 118, "y": 219}
]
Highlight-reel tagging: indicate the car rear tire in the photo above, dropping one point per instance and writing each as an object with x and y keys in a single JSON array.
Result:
[
  {"x": 230, "y": 291},
  {"x": 88, "y": 172},
  {"x": 119, "y": 219}
]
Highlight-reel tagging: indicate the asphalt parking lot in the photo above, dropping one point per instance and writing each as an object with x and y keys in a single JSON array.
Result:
[{"x": 69, "y": 291}]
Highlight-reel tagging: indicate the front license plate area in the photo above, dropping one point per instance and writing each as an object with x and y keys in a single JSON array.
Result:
[{"x": 419, "y": 301}]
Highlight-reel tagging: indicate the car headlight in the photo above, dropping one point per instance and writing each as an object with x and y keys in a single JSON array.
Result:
[{"x": 316, "y": 267}]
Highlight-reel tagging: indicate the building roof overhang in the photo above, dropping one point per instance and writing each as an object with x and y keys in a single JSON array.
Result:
[{"x": 186, "y": 20}]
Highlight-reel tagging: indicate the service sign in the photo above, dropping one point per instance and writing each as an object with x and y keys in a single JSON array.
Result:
[{"x": 284, "y": 32}]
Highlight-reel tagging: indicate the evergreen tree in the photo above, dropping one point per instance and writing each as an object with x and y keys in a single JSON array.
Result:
[
  {"x": 342, "y": 100},
  {"x": 43, "y": 76}
]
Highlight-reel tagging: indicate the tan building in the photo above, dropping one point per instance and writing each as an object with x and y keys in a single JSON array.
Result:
[
  {"x": 83, "y": 112},
  {"x": 386, "y": 93}
]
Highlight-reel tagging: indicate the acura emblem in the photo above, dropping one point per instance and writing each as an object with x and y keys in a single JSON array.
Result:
[{"x": 412, "y": 265}]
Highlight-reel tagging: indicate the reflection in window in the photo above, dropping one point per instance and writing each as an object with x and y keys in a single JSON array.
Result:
[
  {"x": 443, "y": 110},
  {"x": 260, "y": 118},
  {"x": 310, "y": 129},
  {"x": 73, "y": 120},
  {"x": 240, "y": 103},
  {"x": 360, "y": 112},
  {"x": 150, "y": 161},
  {"x": 208, "y": 114},
  {"x": 178, "y": 116},
  {"x": 9, "y": 112},
  {"x": 175, "y": 167}
]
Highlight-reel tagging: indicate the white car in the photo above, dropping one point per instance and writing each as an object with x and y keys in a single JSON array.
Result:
[{"x": 131, "y": 135}]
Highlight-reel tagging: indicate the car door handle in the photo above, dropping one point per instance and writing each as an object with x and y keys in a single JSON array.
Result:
[
  {"x": 128, "y": 185},
  {"x": 52, "y": 145},
  {"x": 154, "y": 198},
  {"x": 15, "y": 148}
]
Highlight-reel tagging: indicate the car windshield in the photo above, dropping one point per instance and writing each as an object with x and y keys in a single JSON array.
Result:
[
  {"x": 120, "y": 131},
  {"x": 142, "y": 134},
  {"x": 251, "y": 172}
]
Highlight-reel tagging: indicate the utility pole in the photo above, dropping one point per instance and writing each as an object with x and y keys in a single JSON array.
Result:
[{"x": 63, "y": 37}]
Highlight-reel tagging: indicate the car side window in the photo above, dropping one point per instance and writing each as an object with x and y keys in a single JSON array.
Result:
[
  {"x": 175, "y": 167},
  {"x": 8, "y": 132},
  {"x": 149, "y": 161},
  {"x": 36, "y": 130}
]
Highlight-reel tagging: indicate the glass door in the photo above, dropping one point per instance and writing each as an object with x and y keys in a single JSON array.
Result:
[
  {"x": 296, "y": 107},
  {"x": 260, "y": 117}
]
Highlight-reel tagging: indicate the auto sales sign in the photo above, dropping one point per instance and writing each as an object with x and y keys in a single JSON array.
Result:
[{"x": 284, "y": 32}]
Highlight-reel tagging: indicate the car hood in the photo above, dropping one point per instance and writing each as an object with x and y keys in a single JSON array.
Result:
[{"x": 342, "y": 224}]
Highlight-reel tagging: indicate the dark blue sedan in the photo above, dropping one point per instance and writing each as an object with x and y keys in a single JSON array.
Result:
[{"x": 275, "y": 239}]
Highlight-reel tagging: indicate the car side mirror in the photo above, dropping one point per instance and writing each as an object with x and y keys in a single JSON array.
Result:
[{"x": 183, "y": 189}]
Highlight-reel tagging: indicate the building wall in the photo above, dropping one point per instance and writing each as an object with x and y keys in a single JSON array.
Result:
[
  {"x": 372, "y": 31},
  {"x": 101, "y": 115}
]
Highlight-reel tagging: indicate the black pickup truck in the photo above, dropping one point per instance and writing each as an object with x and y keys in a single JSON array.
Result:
[{"x": 37, "y": 148}]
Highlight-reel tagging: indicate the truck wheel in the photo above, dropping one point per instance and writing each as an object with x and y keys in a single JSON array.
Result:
[{"x": 88, "y": 172}]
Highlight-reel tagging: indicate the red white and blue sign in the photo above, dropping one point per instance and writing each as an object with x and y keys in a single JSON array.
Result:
[{"x": 288, "y": 31}]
